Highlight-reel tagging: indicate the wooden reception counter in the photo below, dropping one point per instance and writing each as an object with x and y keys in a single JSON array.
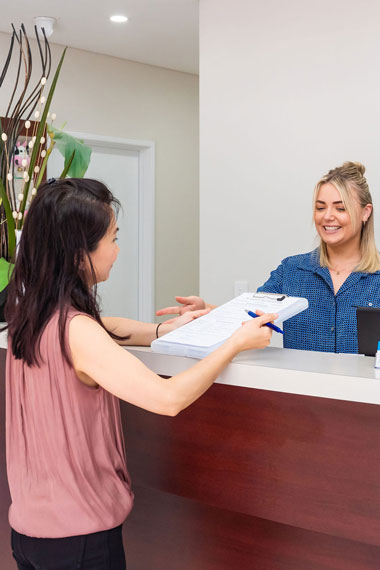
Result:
[{"x": 276, "y": 467}]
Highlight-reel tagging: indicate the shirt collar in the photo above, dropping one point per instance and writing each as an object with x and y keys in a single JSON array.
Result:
[{"x": 310, "y": 262}]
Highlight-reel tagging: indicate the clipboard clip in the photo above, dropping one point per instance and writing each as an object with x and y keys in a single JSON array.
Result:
[{"x": 272, "y": 296}]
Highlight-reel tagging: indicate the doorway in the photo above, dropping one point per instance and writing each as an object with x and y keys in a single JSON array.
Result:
[{"x": 127, "y": 168}]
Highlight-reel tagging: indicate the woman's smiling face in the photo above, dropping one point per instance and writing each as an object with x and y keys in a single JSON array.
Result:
[{"x": 333, "y": 222}]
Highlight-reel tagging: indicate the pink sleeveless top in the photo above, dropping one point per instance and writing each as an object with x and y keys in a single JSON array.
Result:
[{"x": 65, "y": 451}]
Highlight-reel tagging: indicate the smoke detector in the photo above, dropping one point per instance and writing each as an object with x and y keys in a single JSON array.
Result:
[{"x": 46, "y": 23}]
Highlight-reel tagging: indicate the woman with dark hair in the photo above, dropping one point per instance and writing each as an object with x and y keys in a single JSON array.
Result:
[{"x": 66, "y": 464}]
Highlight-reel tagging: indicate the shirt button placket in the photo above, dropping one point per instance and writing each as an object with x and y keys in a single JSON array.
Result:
[{"x": 333, "y": 328}]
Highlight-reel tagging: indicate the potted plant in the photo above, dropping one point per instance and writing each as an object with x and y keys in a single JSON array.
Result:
[{"x": 23, "y": 160}]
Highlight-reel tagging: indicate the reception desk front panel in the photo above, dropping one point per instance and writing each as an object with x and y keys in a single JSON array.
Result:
[
  {"x": 276, "y": 467},
  {"x": 261, "y": 478}
]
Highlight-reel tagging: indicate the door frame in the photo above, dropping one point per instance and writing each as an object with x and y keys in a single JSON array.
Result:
[{"x": 146, "y": 195}]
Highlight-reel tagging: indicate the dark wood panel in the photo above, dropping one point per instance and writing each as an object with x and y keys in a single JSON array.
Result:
[
  {"x": 167, "y": 532},
  {"x": 308, "y": 462}
]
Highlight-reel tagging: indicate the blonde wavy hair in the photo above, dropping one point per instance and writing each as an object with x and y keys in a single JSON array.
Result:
[{"x": 352, "y": 185}]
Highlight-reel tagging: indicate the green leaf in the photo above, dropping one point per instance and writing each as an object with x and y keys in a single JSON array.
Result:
[
  {"x": 6, "y": 269},
  {"x": 10, "y": 221},
  {"x": 67, "y": 146}
]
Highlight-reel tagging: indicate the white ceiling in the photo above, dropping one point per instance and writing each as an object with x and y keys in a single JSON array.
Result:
[{"x": 158, "y": 32}]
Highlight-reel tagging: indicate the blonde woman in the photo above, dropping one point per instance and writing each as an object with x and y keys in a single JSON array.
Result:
[{"x": 341, "y": 274}]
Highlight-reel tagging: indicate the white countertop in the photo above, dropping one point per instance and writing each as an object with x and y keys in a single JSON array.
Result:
[{"x": 350, "y": 377}]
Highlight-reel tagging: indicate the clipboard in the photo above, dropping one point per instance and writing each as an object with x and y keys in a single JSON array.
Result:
[{"x": 202, "y": 336}]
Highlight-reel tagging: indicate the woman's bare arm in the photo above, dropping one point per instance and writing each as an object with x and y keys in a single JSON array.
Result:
[
  {"x": 99, "y": 360},
  {"x": 142, "y": 334}
]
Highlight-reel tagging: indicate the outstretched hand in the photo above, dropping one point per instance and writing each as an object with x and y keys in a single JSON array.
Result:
[
  {"x": 185, "y": 318},
  {"x": 192, "y": 303}
]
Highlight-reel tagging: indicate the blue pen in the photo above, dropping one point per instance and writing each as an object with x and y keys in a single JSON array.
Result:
[{"x": 273, "y": 327}]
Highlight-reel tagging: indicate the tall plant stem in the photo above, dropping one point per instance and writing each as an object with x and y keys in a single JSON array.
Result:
[{"x": 40, "y": 131}]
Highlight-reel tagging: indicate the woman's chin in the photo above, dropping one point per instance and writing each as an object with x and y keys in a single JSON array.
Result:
[{"x": 333, "y": 242}]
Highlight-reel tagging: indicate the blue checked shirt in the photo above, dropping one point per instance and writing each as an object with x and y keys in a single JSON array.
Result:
[{"x": 329, "y": 324}]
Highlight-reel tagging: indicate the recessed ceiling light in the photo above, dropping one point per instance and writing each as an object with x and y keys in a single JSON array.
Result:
[{"x": 119, "y": 18}]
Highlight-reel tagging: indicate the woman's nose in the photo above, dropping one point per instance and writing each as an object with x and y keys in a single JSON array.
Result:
[{"x": 329, "y": 214}]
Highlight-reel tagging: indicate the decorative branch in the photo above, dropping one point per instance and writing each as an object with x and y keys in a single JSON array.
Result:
[
  {"x": 40, "y": 131},
  {"x": 25, "y": 100}
]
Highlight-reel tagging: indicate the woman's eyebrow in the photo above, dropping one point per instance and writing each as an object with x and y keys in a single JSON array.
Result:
[{"x": 337, "y": 202}]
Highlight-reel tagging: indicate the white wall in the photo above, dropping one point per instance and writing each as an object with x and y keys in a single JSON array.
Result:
[
  {"x": 114, "y": 97},
  {"x": 288, "y": 90}
]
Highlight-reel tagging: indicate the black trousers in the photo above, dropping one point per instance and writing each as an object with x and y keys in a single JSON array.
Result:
[{"x": 97, "y": 551}]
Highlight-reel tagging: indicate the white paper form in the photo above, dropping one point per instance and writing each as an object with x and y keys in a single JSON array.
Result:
[{"x": 203, "y": 335}]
